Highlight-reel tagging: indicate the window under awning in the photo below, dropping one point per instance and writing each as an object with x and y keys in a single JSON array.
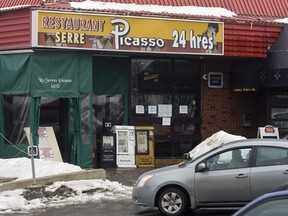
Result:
[{"x": 245, "y": 74}]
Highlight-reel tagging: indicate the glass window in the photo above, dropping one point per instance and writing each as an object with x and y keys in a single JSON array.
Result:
[
  {"x": 236, "y": 158},
  {"x": 16, "y": 118},
  {"x": 162, "y": 81},
  {"x": 269, "y": 156},
  {"x": 151, "y": 75},
  {"x": 85, "y": 119},
  {"x": 166, "y": 88},
  {"x": 150, "y": 85},
  {"x": 279, "y": 113},
  {"x": 185, "y": 77},
  {"x": 107, "y": 108},
  {"x": 278, "y": 207}
]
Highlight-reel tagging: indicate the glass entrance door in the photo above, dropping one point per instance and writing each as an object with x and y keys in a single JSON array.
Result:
[{"x": 166, "y": 95}]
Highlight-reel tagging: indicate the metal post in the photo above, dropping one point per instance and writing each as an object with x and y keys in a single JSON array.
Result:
[{"x": 32, "y": 160}]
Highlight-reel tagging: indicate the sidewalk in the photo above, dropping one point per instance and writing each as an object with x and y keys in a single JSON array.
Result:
[
  {"x": 8, "y": 184},
  {"x": 125, "y": 176}
]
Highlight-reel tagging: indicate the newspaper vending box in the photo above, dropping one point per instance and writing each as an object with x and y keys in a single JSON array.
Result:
[
  {"x": 108, "y": 155},
  {"x": 125, "y": 145},
  {"x": 145, "y": 146}
]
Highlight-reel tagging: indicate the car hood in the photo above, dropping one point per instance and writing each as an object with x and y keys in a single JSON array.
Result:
[{"x": 160, "y": 170}]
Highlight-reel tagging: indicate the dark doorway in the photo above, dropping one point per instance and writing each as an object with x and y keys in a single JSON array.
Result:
[{"x": 54, "y": 113}]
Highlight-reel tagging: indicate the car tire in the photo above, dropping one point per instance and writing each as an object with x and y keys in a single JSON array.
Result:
[{"x": 172, "y": 202}]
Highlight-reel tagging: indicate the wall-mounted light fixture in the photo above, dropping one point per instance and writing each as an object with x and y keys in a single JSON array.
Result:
[{"x": 205, "y": 77}]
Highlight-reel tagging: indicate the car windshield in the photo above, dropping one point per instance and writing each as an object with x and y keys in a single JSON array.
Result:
[
  {"x": 278, "y": 207},
  {"x": 196, "y": 158}
]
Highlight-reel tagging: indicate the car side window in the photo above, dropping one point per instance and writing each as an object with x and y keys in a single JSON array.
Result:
[
  {"x": 273, "y": 206},
  {"x": 270, "y": 156},
  {"x": 232, "y": 159}
]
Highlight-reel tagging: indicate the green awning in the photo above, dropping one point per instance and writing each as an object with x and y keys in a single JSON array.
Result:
[
  {"x": 46, "y": 74},
  {"x": 15, "y": 73}
]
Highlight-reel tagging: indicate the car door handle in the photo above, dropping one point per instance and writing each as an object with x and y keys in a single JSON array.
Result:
[
  {"x": 285, "y": 172},
  {"x": 242, "y": 176}
]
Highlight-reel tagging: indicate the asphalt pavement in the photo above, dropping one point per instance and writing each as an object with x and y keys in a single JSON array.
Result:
[
  {"x": 128, "y": 176},
  {"x": 123, "y": 207},
  {"x": 125, "y": 176}
]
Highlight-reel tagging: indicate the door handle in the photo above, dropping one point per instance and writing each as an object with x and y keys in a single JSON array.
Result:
[
  {"x": 285, "y": 172},
  {"x": 242, "y": 176}
]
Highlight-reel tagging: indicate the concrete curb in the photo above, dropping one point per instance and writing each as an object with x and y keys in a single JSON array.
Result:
[
  {"x": 6, "y": 179},
  {"x": 81, "y": 175}
]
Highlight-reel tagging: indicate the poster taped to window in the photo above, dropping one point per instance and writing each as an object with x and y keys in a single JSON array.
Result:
[{"x": 142, "y": 142}]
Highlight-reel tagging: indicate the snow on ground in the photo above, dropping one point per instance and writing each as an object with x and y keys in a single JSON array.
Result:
[
  {"x": 59, "y": 193},
  {"x": 75, "y": 192},
  {"x": 72, "y": 192},
  {"x": 21, "y": 168}
]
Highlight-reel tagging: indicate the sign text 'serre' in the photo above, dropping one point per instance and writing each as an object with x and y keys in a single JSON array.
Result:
[{"x": 64, "y": 23}]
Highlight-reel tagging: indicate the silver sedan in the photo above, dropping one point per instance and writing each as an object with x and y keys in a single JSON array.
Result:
[{"x": 228, "y": 176}]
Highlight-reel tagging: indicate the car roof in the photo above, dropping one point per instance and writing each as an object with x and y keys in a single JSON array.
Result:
[
  {"x": 274, "y": 194},
  {"x": 258, "y": 142},
  {"x": 245, "y": 142}
]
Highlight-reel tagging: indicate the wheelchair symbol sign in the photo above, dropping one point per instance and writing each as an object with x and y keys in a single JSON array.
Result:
[{"x": 32, "y": 150}]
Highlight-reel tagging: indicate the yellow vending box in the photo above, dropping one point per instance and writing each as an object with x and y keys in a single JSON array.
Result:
[{"x": 144, "y": 136}]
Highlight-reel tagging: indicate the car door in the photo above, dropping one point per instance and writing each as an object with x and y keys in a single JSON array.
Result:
[
  {"x": 221, "y": 183},
  {"x": 270, "y": 170}
]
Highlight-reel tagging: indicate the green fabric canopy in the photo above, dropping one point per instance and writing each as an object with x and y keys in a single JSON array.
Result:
[
  {"x": 46, "y": 74},
  {"x": 110, "y": 77},
  {"x": 57, "y": 74},
  {"x": 15, "y": 73},
  {"x": 65, "y": 74}
]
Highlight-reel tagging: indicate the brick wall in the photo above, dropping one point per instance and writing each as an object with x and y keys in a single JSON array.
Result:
[{"x": 223, "y": 109}]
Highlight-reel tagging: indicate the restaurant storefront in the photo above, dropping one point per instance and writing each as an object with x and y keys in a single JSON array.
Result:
[
  {"x": 162, "y": 92},
  {"x": 85, "y": 73}
]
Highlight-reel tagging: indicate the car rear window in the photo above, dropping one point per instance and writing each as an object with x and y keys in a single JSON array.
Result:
[{"x": 269, "y": 156}]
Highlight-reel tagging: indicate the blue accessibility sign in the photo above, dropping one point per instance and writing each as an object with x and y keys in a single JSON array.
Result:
[{"x": 32, "y": 150}]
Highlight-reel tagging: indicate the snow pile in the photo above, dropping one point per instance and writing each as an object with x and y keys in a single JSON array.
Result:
[
  {"x": 57, "y": 194},
  {"x": 76, "y": 192},
  {"x": 21, "y": 168},
  {"x": 212, "y": 142},
  {"x": 189, "y": 10}
]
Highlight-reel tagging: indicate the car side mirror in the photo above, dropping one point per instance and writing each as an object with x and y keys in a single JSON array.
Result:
[
  {"x": 201, "y": 167},
  {"x": 186, "y": 156}
]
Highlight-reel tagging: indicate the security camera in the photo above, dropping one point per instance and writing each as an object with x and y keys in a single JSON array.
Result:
[{"x": 205, "y": 76}]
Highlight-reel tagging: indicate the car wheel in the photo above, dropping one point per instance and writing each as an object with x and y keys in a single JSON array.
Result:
[{"x": 172, "y": 202}]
